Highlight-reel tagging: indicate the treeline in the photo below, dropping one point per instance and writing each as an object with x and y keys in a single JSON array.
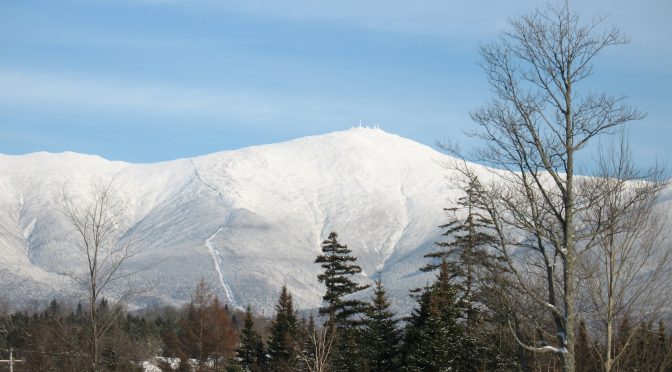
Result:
[{"x": 459, "y": 324}]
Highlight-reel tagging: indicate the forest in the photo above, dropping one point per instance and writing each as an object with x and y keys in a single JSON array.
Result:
[
  {"x": 546, "y": 262},
  {"x": 457, "y": 325}
]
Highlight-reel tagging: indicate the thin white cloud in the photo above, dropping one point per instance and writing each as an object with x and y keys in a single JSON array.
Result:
[
  {"x": 64, "y": 92},
  {"x": 99, "y": 96},
  {"x": 645, "y": 21},
  {"x": 434, "y": 17},
  {"x": 428, "y": 16}
]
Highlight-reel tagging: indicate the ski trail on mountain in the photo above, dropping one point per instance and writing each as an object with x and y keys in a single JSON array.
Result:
[
  {"x": 28, "y": 230},
  {"x": 208, "y": 242},
  {"x": 218, "y": 266},
  {"x": 26, "y": 235}
]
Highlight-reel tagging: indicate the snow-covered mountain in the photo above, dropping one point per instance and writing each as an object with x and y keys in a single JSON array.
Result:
[{"x": 248, "y": 221}]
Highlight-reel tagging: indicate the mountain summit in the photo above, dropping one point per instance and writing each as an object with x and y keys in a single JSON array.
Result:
[{"x": 248, "y": 221}]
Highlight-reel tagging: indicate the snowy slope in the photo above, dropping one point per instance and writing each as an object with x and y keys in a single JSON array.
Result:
[{"x": 247, "y": 221}]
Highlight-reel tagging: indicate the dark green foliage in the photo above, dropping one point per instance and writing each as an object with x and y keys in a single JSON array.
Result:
[
  {"x": 235, "y": 367},
  {"x": 467, "y": 249},
  {"x": 339, "y": 268},
  {"x": 585, "y": 360},
  {"x": 434, "y": 338},
  {"x": 344, "y": 314},
  {"x": 477, "y": 274},
  {"x": 380, "y": 334},
  {"x": 448, "y": 333},
  {"x": 250, "y": 346},
  {"x": 437, "y": 338},
  {"x": 348, "y": 354},
  {"x": 283, "y": 347}
]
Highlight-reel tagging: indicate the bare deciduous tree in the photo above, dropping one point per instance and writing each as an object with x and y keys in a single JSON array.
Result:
[
  {"x": 321, "y": 341},
  {"x": 625, "y": 266},
  {"x": 97, "y": 221},
  {"x": 532, "y": 131}
]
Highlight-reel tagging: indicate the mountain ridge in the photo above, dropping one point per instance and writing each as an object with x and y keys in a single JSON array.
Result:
[
  {"x": 225, "y": 216},
  {"x": 247, "y": 221}
]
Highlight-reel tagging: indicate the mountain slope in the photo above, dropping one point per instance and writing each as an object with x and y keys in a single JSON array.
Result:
[{"x": 247, "y": 221}]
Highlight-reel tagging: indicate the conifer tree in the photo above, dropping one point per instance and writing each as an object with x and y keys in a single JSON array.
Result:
[
  {"x": 343, "y": 313},
  {"x": 623, "y": 338},
  {"x": 434, "y": 337},
  {"x": 477, "y": 273},
  {"x": 380, "y": 335},
  {"x": 585, "y": 357},
  {"x": 339, "y": 267},
  {"x": 250, "y": 348},
  {"x": 466, "y": 248},
  {"x": 283, "y": 348}
]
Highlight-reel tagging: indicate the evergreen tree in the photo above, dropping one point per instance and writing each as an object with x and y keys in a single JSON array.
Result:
[
  {"x": 585, "y": 357},
  {"x": 478, "y": 275},
  {"x": 250, "y": 348},
  {"x": 54, "y": 309},
  {"x": 434, "y": 338},
  {"x": 466, "y": 248},
  {"x": 283, "y": 348},
  {"x": 623, "y": 339},
  {"x": 344, "y": 314},
  {"x": 339, "y": 267},
  {"x": 380, "y": 335}
]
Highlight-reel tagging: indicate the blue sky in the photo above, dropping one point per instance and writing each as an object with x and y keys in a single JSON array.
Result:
[{"x": 152, "y": 80}]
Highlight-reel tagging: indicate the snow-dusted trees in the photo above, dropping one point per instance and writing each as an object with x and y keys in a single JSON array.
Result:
[
  {"x": 532, "y": 131},
  {"x": 97, "y": 222}
]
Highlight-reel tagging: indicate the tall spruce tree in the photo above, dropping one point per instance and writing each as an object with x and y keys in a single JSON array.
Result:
[
  {"x": 380, "y": 334},
  {"x": 344, "y": 314},
  {"x": 283, "y": 348},
  {"x": 250, "y": 348},
  {"x": 466, "y": 248},
  {"x": 477, "y": 273},
  {"x": 339, "y": 268}
]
